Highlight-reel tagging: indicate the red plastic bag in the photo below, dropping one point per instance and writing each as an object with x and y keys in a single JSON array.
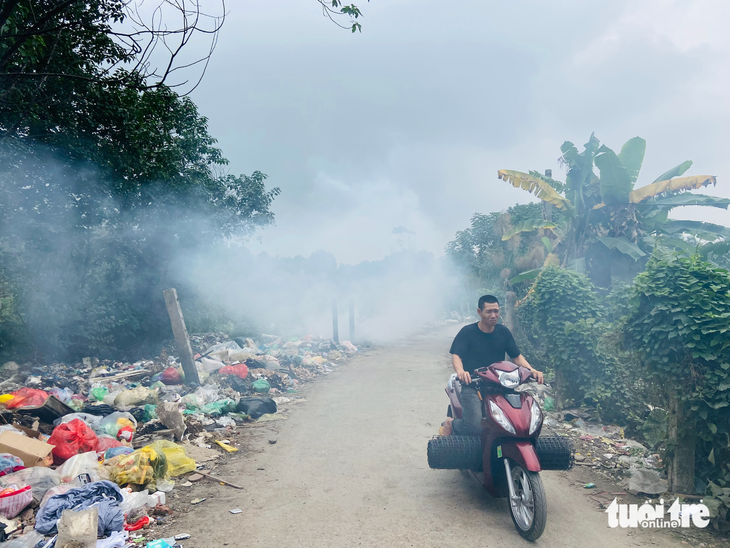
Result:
[
  {"x": 240, "y": 370},
  {"x": 72, "y": 438},
  {"x": 171, "y": 376},
  {"x": 27, "y": 397},
  {"x": 106, "y": 442}
]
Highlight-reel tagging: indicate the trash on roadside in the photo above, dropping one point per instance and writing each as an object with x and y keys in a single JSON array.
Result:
[
  {"x": 39, "y": 478},
  {"x": 33, "y": 452},
  {"x": 178, "y": 463},
  {"x": 85, "y": 417},
  {"x": 197, "y": 501},
  {"x": 72, "y": 438},
  {"x": 589, "y": 486},
  {"x": 14, "y": 499},
  {"x": 255, "y": 407},
  {"x": 236, "y": 511},
  {"x": 103, "y": 494},
  {"x": 78, "y": 528},
  {"x": 226, "y": 447}
]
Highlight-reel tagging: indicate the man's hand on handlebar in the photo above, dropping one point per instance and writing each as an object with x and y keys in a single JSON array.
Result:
[
  {"x": 464, "y": 376},
  {"x": 538, "y": 376}
]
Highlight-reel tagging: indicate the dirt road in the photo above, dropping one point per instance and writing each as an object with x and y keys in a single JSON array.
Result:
[{"x": 349, "y": 469}]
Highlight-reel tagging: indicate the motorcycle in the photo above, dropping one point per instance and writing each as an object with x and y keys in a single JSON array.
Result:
[{"x": 509, "y": 455}]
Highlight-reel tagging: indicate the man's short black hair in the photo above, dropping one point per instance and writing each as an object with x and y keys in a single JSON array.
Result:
[{"x": 487, "y": 299}]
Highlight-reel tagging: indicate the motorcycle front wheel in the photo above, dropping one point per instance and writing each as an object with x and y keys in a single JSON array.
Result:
[{"x": 529, "y": 505}]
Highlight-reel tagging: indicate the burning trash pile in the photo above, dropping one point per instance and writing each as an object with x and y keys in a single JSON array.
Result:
[{"x": 89, "y": 450}]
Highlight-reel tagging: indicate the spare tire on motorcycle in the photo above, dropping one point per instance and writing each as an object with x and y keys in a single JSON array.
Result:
[
  {"x": 555, "y": 453},
  {"x": 455, "y": 453}
]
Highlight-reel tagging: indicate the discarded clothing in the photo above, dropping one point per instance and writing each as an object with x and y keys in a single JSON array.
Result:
[{"x": 105, "y": 494}]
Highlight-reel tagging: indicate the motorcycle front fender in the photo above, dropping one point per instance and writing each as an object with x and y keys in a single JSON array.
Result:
[{"x": 523, "y": 453}]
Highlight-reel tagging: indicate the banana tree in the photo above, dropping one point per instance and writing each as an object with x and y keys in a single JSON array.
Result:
[{"x": 605, "y": 223}]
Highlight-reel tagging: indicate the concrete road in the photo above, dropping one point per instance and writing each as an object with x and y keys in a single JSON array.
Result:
[{"x": 349, "y": 469}]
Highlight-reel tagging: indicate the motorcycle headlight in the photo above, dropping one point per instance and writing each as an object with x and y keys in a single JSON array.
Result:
[
  {"x": 535, "y": 417},
  {"x": 509, "y": 379},
  {"x": 500, "y": 418}
]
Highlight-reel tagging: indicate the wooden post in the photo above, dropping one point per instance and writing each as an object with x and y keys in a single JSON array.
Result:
[
  {"x": 181, "y": 336},
  {"x": 335, "y": 323},
  {"x": 682, "y": 438},
  {"x": 352, "y": 320},
  {"x": 509, "y": 310}
]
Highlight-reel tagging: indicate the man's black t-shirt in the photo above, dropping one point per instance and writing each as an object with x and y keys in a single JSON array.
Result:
[{"x": 479, "y": 349}]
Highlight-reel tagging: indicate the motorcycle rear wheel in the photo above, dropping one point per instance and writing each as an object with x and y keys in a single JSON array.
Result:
[{"x": 529, "y": 508}]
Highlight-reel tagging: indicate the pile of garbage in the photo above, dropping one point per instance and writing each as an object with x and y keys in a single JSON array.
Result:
[
  {"x": 89, "y": 450},
  {"x": 603, "y": 448}
]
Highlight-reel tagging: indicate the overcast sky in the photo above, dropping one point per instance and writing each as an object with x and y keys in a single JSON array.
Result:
[{"x": 406, "y": 124}]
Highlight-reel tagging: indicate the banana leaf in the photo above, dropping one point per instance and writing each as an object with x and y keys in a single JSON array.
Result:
[
  {"x": 528, "y": 275},
  {"x": 632, "y": 156},
  {"x": 686, "y": 199},
  {"x": 547, "y": 243},
  {"x": 623, "y": 245},
  {"x": 676, "y": 171},
  {"x": 534, "y": 186},
  {"x": 527, "y": 226},
  {"x": 694, "y": 227},
  {"x": 616, "y": 181},
  {"x": 671, "y": 185}
]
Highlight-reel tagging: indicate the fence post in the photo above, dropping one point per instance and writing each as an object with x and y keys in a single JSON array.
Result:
[
  {"x": 181, "y": 336},
  {"x": 335, "y": 322}
]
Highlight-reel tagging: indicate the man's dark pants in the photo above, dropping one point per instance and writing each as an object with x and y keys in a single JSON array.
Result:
[{"x": 471, "y": 422}]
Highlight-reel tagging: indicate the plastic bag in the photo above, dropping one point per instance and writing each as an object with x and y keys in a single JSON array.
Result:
[
  {"x": 141, "y": 467},
  {"x": 220, "y": 407},
  {"x": 172, "y": 375},
  {"x": 10, "y": 463},
  {"x": 105, "y": 443},
  {"x": 228, "y": 345},
  {"x": 78, "y": 528},
  {"x": 39, "y": 478},
  {"x": 112, "y": 424},
  {"x": 11, "y": 428},
  {"x": 77, "y": 402},
  {"x": 261, "y": 386},
  {"x": 116, "y": 451},
  {"x": 98, "y": 393},
  {"x": 92, "y": 420},
  {"x": 27, "y": 397},
  {"x": 111, "y": 396},
  {"x": 240, "y": 370},
  {"x": 150, "y": 413},
  {"x": 255, "y": 407},
  {"x": 137, "y": 396},
  {"x": 71, "y": 439},
  {"x": 117, "y": 539},
  {"x": 135, "y": 500},
  {"x": 85, "y": 463},
  {"x": 63, "y": 394},
  {"x": 209, "y": 365},
  {"x": 14, "y": 499},
  {"x": 178, "y": 463}
]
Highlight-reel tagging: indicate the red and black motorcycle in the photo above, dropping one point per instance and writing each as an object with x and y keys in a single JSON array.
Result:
[{"x": 509, "y": 455}]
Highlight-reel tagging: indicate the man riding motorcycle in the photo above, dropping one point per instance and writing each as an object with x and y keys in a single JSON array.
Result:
[{"x": 479, "y": 345}]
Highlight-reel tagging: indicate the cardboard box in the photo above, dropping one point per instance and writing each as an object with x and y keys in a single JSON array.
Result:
[{"x": 32, "y": 451}]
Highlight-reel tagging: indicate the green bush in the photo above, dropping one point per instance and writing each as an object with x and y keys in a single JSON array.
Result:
[
  {"x": 679, "y": 325},
  {"x": 562, "y": 329}
]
